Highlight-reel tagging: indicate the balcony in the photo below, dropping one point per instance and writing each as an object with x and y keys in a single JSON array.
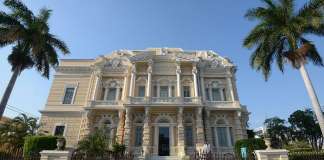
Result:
[
  {"x": 223, "y": 104},
  {"x": 164, "y": 100},
  {"x": 103, "y": 103}
]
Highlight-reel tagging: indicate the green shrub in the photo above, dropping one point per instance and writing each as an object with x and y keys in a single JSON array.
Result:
[
  {"x": 117, "y": 148},
  {"x": 35, "y": 144},
  {"x": 251, "y": 145},
  {"x": 306, "y": 155}
]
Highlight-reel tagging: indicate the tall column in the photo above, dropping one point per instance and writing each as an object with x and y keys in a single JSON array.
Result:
[
  {"x": 200, "y": 129},
  {"x": 203, "y": 92},
  {"x": 149, "y": 80},
  {"x": 238, "y": 125},
  {"x": 194, "y": 74},
  {"x": 86, "y": 123},
  {"x": 98, "y": 78},
  {"x": 146, "y": 133},
  {"x": 178, "y": 72},
  {"x": 209, "y": 133},
  {"x": 132, "y": 82},
  {"x": 230, "y": 88},
  {"x": 127, "y": 129},
  {"x": 121, "y": 123},
  {"x": 124, "y": 94},
  {"x": 117, "y": 94},
  {"x": 181, "y": 144},
  {"x": 156, "y": 140}
]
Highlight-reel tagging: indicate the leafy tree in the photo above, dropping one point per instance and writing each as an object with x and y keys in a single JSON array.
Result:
[
  {"x": 306, "y": 128},
  {"x": 277, "y": 131},
  {"x": 33, "y": 44},
  {"x": 94, "y": 144},
  {"x": 280, "y": 36},
  {"x": 13, "y": 132}
]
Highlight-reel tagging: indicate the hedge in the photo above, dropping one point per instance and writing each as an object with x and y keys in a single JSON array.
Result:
[
  {"x": 35, "y": 144},
  {"x": 306, "y": 155},
  {"x": 251, "y": 145}
]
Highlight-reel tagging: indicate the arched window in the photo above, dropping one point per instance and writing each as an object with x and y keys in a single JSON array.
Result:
[
  {"x": 215, "y": 91},
  {"x": 188, "y": 131},
  {"x": 138, "y": 132},
  {"x": 222, "y": 134}
]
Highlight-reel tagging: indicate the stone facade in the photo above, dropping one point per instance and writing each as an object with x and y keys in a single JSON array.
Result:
[{"x": 158, "y": 101}]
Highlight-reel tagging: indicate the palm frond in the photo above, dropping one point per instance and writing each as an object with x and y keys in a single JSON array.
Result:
[
  {"x": 44, "y": 14},
  {"x": 57, "y": 43},
  {"x": 19, "y": 10}
]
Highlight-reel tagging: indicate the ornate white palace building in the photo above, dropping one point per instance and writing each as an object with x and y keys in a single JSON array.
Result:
[{"x": 158, "y": 101}]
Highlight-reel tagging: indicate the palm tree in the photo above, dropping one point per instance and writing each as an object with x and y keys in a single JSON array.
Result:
[
  {"x": 13, "y": 132},
  {"x": 33, "y": 44},
  {"x": 280, "y": 36}
]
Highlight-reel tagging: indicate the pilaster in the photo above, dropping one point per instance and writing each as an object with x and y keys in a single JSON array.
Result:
[
  {"x": 146, "y": 133},
  {"x": 132, "y": 82},
  {"x": 121, "y": 123},
  {"x": 181, "y": 144},
  {"x": 194, "y": 76},
  {"x": 127, "y": 131},
  {"x": 238, "y": 125},
  {"x": 178, "y": 72},
  {"x": 199, "y": 129}
]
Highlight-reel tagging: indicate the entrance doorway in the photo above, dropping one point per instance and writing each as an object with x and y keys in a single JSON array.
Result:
[{"x": 164, "y": 141}]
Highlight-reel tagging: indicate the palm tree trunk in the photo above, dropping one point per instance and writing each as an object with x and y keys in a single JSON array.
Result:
[
  {"x": 8, "y": 90},
  {"x": 313, "y": 97}
]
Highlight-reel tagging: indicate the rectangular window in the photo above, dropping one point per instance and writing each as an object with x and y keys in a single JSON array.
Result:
[
  {"x": 216, "y": 95},
  {"x": 173, "y": 91},
  {"x": 102, "y": 96},
  {"x": 120, "y": 93},
  {"x": 207, "y": 94},
  {"x": 213, "y": 136},
  {"x": 231, "y": 135},
  {"x": 224, "y": 94},
  {"x": 188, "y": 136},
  {"x": 186, "y": 91},
  {"x": 59, "y": 131},
  {"x": 68, "y": 96},
  {"x": 141, "y": 91},
  {"x": 111, "y": 94},
  {"x": 164, "y": 91},
  {"x": 155, "y": 91},
  {"x": 138, "y": 136},
  {"x": 222, "y": 137}
]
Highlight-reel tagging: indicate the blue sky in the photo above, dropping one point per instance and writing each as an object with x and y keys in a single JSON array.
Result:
[{"x": 92, "y": 28}]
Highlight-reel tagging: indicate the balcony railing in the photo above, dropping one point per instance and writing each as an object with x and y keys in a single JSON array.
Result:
[
  {"x": 104, "y": 103},
  {"x": 223, "y": 104},
  {"x": 164, "y": 100}
]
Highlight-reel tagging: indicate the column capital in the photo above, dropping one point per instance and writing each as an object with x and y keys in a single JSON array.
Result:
[
  {"x": 133, "y": 69},
  {"x": 194, "y": 70}
]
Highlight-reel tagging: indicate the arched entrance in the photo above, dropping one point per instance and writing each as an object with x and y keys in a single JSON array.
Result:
[{"x": 163, "y": 138}]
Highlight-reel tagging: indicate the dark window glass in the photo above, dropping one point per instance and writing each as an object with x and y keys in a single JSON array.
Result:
[
  {"x": 138, "y": 136},
  {"x": 186, "y": 91},
  {"x": 188, "y": 136},
  {"x": 59, "y": 130},
  {"x": 164, "y": 91},
  {"x": 141, "y": 91},
  {"x": 68, "y": 96},
  {"x": 207, "y": 94},
  {"x": 111, "y": 94}
]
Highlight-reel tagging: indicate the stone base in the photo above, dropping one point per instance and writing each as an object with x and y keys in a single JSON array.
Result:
[
  {"x": 273, "y": 154},
  {"x": 55, "y": 155}
]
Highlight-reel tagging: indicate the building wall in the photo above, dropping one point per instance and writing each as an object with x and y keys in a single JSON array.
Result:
[
  {"x": 70, "y": 120},
  {"x": 83, "y": 74}
]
